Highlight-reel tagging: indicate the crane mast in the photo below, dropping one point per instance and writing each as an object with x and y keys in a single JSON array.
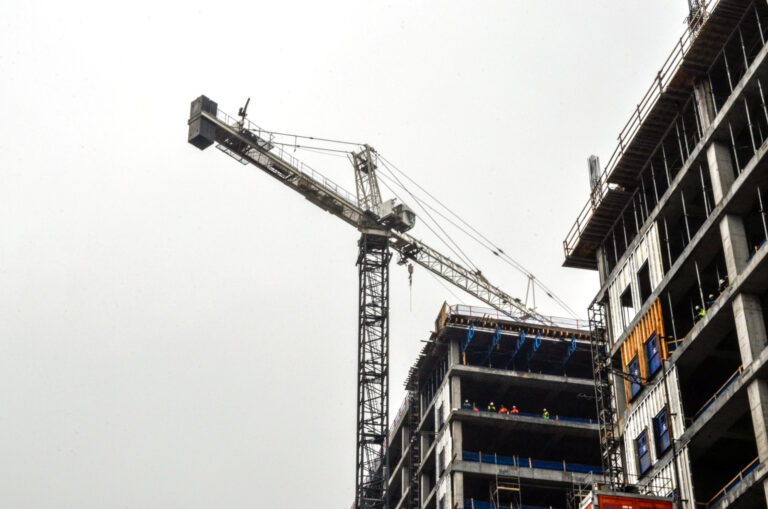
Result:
[{"x": 383, "y": 226}]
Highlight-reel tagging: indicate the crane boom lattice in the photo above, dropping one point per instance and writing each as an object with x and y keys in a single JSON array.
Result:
[{"x": 383, "y": 225}]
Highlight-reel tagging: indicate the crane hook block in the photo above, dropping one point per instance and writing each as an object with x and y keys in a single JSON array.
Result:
[{"x": 202, "y": 132}]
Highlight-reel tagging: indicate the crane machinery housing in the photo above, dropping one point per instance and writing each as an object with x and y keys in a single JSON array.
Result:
[{"x": 383, "y": 227}]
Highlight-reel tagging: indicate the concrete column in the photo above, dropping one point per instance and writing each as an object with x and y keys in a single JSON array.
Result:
[
  {"x": 602, "y": 265},
  {"x": 458, "y": 490},
  {"x": 425, "y": 488},
  {"x": 458, "y": 440},
  {"x": 456, "y": 400},
  {"x": 454, "y": 357},
  {"x": 735, "y": 247},
  {"x": 751, "y": 334},
  {"x": 720, "y": 169},
  {"x": 703, "y": 93},
  {"x": 750, "y": 326},
  {"x": 757, "y": 391}
]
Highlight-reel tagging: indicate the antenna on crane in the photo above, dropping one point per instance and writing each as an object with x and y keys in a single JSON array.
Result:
[{"x": 243, "y": 112}]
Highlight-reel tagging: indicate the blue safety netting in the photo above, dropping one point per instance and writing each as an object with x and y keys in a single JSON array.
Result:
[{"x": 517, "y": 461}]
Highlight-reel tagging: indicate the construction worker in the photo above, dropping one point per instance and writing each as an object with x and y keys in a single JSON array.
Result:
[
  {"x": 700, "y": 312},
  {"x": 545, "y": 414},
  {"x": 503, "y": 409},
  {"x": 710, "y": 300},
  {"x": 514, "y": 410},
  {"x": 722, "y": 284},
  {"x": 466, "y": 405},
  {"x": 491, "y": 407},
  {"x": 474, "y": 407}
]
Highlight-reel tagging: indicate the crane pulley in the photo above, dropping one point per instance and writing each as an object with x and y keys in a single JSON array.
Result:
[{"x": 383, "y": 226}]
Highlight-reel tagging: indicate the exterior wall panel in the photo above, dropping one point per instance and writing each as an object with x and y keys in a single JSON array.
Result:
[
  {"x": 648, "y": 249},
  {"x": 634, "y": 345},
  {"x": 641, "y": 418}
]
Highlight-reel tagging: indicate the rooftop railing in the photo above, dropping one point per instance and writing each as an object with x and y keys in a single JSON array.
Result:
[
  {"x": 641, "y": 111},
  {"x": 278, "y": 149},
  {"x": 494, "y": 314},
  {"x": 730, "y": 485}
]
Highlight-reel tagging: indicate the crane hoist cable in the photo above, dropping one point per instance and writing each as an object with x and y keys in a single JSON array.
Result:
[
  {"x": 488, "y": 244},
  {"x": 469, "y": 230}
]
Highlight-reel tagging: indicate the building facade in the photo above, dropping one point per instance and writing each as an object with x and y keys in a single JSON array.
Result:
[
  {"x": 676, "y": 228},
  {"x": 500, "y": 414}
]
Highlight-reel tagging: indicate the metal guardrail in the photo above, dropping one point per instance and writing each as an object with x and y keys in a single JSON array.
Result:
[
  {"x": 493, "y": 314},
  {"x": 286, "y": 156},
  {"x": 731, "y": 484},
  {"x": 517, "y": 461},
  {"x": 630, "y": 129},
  {"x": 719, "y": 393},
  {"x": 538, "y": 416},
  {"x": 398, "y": 417}
]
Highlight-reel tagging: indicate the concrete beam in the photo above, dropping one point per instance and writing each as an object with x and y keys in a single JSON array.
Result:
[
  {"x": 525, "y": 379},
  {"x": 552, "y": 477},
  {"x": 526, "y": 423}
]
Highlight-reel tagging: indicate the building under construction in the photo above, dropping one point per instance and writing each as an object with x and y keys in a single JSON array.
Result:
[
  {"x": 500, "y": 413},
  {"x": 676, "y": 229}
]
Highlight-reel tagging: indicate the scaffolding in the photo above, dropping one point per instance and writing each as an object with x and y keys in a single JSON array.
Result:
[{"x": 610, "y": 445}]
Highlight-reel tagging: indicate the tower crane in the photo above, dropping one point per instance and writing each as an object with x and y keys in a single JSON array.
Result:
[{"x": 383, "y": 227}]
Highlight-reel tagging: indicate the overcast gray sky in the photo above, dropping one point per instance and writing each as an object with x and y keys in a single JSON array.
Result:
[{"x": 178, "y": 330}]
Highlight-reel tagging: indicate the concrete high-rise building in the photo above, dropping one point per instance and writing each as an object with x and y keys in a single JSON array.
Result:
[
  {"x": 676, "y": 228},
  {"x": 500, "y": 414}
]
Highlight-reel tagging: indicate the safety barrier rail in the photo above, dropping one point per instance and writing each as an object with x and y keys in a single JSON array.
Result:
[
  {"x": 538, "y": 416},
  {"x": 630, "y": 129},
  {"x": 283, "y": 154},
  {"x": 494, "y": 314},
  {"x": 517, "y": 461},
  {"x": 399, "y": 416},
  {"x": 719, "y": 393},
  {"x": 731, "y": 484}
]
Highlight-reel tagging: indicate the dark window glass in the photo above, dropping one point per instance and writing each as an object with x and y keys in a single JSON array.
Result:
[
  {"x": 634, "y": 377},
  {"x": 661, "y": 431},
  {"x": 643, "y": 454},
  {"x": 441, "y": 461},
  {"x": 652, "y": 354}
]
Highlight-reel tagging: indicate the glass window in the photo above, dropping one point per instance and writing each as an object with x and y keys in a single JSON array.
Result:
[
  {"x": 440, "y": 416},
  {"x": 652, "y": 354},
  {"x": 441, "y": 461},
  {"x": 661, "y": 431},
  {"x": 634, "y": 377},
  {"x": 643, "y": 454}
]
